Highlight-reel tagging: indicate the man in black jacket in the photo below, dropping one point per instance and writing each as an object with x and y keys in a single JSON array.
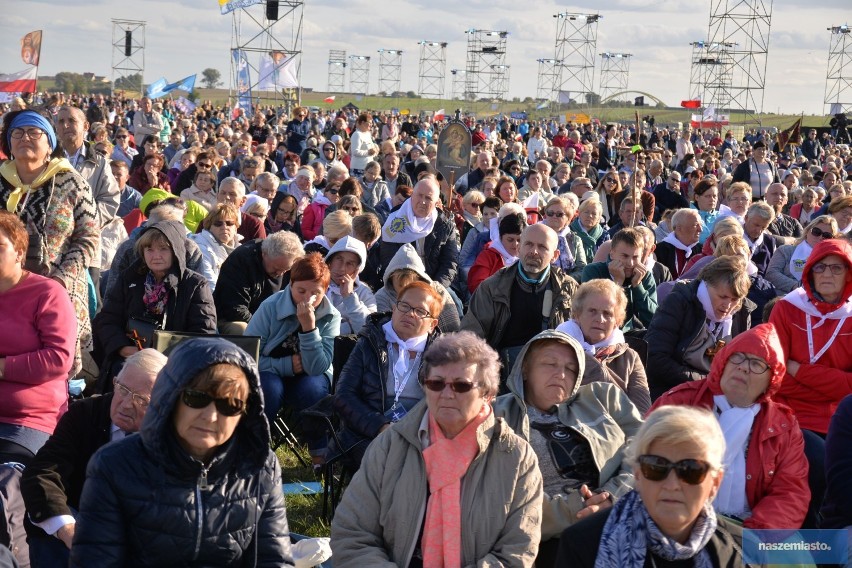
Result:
[
  {"x": 250, "y": 274},
  {"x": 52, "y": 483}
]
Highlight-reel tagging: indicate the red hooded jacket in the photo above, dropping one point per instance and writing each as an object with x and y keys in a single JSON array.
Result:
[
  {"x": 818, "y": 387},
  {"x": 776, "y": 466}
]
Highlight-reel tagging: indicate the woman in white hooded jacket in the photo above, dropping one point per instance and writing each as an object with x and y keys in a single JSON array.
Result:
[
  {"x": 352, "y": 298},
  {"x": 217, "y": 240}
]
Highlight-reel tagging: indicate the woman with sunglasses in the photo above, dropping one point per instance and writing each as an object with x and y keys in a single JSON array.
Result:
[
  {"x": 449, "y": 484},
  {"x": 282, "y": 215},
  {"x": 813, "y": 322},
  {"x": 157, "y": 291},
  {"x": 217, "y": 239},
  {"x": 788, "y": 261},
  {"x": 608, "y": 186},
  {"x": 578, "y": 432},
  {"x": 765, "y": 484},
  {"x": 378, "y": 384},
  {"x": 676, "y": 458},
  {"x": 203, "y": 452},
  {"x": 558, "y": 214}
]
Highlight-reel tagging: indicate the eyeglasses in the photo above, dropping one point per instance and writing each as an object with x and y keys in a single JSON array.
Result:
[
  {"x": 121, "y": 137},
  {"x": 138, "y": 399},
  {"x": 200, "y": 399},
  {"x": 405, "y": 307},
  {"x": 610, "y": 180},
  {"x": 352, "y": 210},
  {"x": 557, "y": 214},
  {"x": 756, "y": 366},
  {"x": 515, "y": 169},
  {"x": 836, "y": 269},
  {"x": 815, "y": 231},
  {"x": 257, "y": 216},
  {"x": 32, "y": 133},
  {"x": 458, "y": 387},
  {"x": 226, "y": 223},
  {"x": 476, "y": 205},
  {"x": 331, "y": 192},
  {"x": 328, "y": 149},
  {"x": 657, "y": 468},
  {"x": 205, "y": 165}
]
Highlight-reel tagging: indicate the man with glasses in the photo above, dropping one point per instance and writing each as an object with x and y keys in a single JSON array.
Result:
[
  {"x": 53, "y": 481},
  {"x": 578, "y": 186},
  {"x": 203, "y": 163},
  {"x": 667, "y": 196},
  {"x": 123, "y": 150},
  {"x": 233, "y": 191},
  {"x": 783, "y": 226}
]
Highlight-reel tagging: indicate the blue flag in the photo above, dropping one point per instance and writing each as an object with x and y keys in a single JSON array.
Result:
[
  {"x": 160, "y": 88},
  {"x": 243, "y": 81}
]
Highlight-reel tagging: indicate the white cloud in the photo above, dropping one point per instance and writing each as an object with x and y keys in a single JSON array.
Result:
[{"x": 187, "y": 36}]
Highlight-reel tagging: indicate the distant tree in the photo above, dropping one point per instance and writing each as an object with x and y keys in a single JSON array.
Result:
[
  {"x": 67, "y": 82},
  {"x": 411, "y": 95},
  {"x": 528, "y": 100},
  {"x": 212, "y": 78},
  {"x": 593, "y": 99},
  {"x": 130, "y": 82}
]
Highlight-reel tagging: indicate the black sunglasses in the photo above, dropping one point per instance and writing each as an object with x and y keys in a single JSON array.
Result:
[
  {"x": 815, "y": 231},
  {"x": 459, "y": 387},
  {"x": 200, "y": 399},
  {"x": 657, "y": 468}
]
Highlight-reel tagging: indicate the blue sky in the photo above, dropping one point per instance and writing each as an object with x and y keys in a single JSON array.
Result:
[{"x": 187, "y": 36}]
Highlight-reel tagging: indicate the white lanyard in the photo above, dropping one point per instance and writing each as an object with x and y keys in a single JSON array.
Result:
[
  {"x": 815, "y": 358},
  {"x": 397, "y": 387}
]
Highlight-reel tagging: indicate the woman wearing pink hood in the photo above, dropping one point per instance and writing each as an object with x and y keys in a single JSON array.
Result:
[
  {"x": 765, "y": 483},
  {"x": 814, "y": 324}
]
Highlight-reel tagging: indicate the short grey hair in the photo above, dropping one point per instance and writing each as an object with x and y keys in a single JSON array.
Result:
[
  {"x": 679, "y": 425},
  {"x": 238, "y": 185},
  {"x": 282, "y": 243},
  {"x": 761, "y": 209},
  {"x": 268, "y": 176},
  {"x": 146, "y": 361},
  {"x": 467, "y": 347},
  {"x": 681, "y": 215},
  {"x": 564, "y": 201},
  {"x": 166, "y": 212}
]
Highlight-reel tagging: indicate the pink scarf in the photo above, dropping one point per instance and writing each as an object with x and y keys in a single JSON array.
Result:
[{"x": 446, "y": 462}]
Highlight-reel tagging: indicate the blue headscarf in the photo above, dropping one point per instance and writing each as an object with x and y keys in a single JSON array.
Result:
[{"x": 32, "y": 118}]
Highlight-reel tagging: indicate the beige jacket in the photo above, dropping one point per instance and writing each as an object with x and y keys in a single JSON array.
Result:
[{"x": 379, "y": 520}]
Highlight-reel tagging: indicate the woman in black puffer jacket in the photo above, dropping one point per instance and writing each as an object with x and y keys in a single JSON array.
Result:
[{"x": 199, "y": 485}]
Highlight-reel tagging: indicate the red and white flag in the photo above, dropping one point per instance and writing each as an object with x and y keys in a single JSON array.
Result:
[
  {"x": 20, "y": 82},
  {"x": 439, "y": 115},
  {"x": 329, "y": 99}
]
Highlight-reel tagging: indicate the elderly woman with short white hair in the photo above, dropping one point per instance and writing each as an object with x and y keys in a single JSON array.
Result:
[
  {"x": 598, "y": 309},
  {"x": 302, "y": 187},
  {"x": 450, "y": 484},
  {"x": 558, "y": 214},
  {"x": 669, "y": 518}
]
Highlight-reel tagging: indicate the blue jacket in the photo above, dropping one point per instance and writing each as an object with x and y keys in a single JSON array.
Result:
[
  {"x": 147, "y": 502},
  {"x": 276, "y": 319}
]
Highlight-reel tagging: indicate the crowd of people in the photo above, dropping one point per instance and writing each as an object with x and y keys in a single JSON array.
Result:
[{"x": 599, "y": 347}]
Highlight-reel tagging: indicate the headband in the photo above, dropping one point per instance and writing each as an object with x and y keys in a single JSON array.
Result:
[{"x": 31, "y": 118}]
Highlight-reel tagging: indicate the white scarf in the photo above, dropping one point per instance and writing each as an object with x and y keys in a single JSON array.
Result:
[
  {"x": 736, "y": 424},
  {"x": 725, "y": 211},
  {"x": 753, "y": 244},
  {"x": 573, "y": 329},
  {"x": 403, "y": 226},
  {"x": 416, "y": 344},
  {"x": 567, "y": 253},
  {"x": 799, "y": 258},
  {"x": 727, "y": 323},
  {"x": 497, "y": 244},
  {"x": 672, "y": 239}
]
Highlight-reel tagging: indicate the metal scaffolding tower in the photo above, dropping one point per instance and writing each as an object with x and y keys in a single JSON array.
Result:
[
  {"x": 273, "y": 29},
  {"x": 548, "y": 79},
  {"x": 359, "y": 74},
  {"x": 336, "y": 70},
  {"x": 433, "y": 69},
  {"x": 711, "y": 74},
  {"x": 615, "y": 72},
  {"x": 390, "y": 70},
  {"x": 459, "y": 83},
  {"x": 487, "y": 74},
  {"x": 838, "y": 78},
  {"x": 576, "y": 41},
  {"x": 128, "y": 53},
  {"x": 741, "y": 30}
]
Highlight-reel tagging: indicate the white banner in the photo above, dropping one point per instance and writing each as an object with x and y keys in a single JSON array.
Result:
[{"x": 277, "y": 71}]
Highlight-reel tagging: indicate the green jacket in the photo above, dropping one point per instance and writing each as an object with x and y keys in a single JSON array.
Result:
[
  {"x": 378, "y": 522},
  {"x": 600, "y": 412},
  {"x": 641, "y": 299}
]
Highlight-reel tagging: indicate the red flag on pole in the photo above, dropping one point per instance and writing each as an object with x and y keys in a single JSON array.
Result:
[
  {"x": 31, "y": 48},
  {"x": 329, "y": 99},
  {"x": 690, "y": 104}
]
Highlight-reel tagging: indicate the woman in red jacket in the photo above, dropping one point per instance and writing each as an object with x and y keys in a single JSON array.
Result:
[
  {"x": 814, "y": 324},
  {"x": 766, "y": 471},
  {"x": 501, "y": 251}
]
